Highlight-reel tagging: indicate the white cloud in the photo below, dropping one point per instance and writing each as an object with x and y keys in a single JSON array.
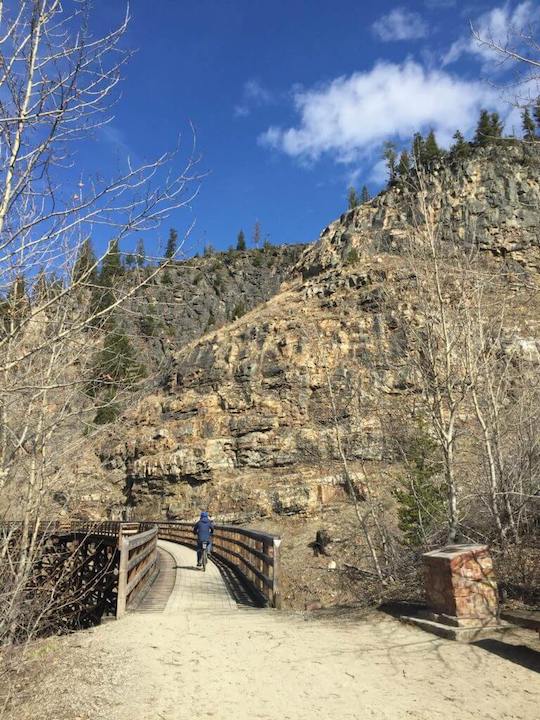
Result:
[
  {"x": 254, "y": 95},
  {"x": 400, "y": 24},
  {"x": 497, "y": 25},
  {"x": 348, "y": 117}
]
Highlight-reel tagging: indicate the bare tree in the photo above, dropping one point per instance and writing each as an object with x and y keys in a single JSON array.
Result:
[
  {"x": 516, "y": 51},
  {"x": 59, "y": 85}
]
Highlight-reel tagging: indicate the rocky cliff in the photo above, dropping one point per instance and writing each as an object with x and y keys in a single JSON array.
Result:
[
  {"x": 195, "y": 296},
  {"x": 255, "y": 417}
]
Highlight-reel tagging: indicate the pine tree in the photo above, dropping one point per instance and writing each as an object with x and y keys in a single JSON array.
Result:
[
  {"x": 15, "y": 306},
  {"x": 404, "y": 165},
  {"x": 432, "y": 151},
  {"x": 390, "y": 155},
  {"x": 536, "y": 112},
  {"x": 419, "y": 150},
  {"x": 103, "y": 296},
  {"x": 85, "y": 269},
  {"x": 365, "y": 196},
  {"x": 140, "y": 254},
  {"x": 111, "y": 266},
  {"x": 482, "y": 135},
  {"x": 40, "y": 290},
  {"x": 460, "y": 148},
  {"x": 528, "y": 125},
  {"x": 496, "y": 126},
  {"x": 241, "y": 241},
  {"x": 172, "y": 242},
  {"x": 116, "y": 365},
  {"x": 256, "y": 234},
  {"x": 352, "y": 198}
]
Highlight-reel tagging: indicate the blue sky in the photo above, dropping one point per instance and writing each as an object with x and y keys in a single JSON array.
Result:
[{"x": 291, "y": 100}]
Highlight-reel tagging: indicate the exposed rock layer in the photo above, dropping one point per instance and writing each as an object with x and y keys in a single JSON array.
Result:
[{"x": 256, "y": 417}]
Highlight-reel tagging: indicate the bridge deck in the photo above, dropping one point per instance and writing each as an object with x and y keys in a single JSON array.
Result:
[{"x": 181, "y": 586}]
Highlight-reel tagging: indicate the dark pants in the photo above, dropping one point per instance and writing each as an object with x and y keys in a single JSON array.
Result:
[{"x": 200, "y": 549}]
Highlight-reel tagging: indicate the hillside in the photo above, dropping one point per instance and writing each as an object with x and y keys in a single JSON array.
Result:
[
  {"x": 318, "y": 393},
  {"x": 196, "y": 295},
  {"x": 242, "y": 423}
]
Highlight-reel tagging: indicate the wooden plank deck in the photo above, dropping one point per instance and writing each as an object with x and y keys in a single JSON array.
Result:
[{"x": 181, "y": 586}]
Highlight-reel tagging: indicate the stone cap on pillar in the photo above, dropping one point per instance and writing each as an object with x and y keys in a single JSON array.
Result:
[{"x": 450, "y": 552}]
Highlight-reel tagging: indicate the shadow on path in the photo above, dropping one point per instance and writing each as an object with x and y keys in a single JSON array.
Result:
[
  {"x": 242, "y": 594},
  {"x": 519, "y": 654}
]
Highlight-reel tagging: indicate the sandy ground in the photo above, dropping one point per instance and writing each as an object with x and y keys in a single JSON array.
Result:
[{"x": 202, "y": 656}]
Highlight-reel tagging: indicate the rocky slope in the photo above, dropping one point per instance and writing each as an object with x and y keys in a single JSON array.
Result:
[
  {"x": 246, "y": 422},
  {"x": 194, "y": 296}
]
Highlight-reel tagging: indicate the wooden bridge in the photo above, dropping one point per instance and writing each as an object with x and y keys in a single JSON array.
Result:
[{"x": 127, "y": 565}]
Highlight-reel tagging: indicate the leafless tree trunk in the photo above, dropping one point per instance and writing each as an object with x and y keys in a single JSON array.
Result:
[{"x": 59, "y": 84}]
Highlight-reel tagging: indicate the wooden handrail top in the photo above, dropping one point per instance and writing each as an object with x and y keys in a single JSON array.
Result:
[{"x": 255, "y": 534}]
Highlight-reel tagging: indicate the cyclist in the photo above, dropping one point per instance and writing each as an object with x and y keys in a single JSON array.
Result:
[{"x": 204, "y": 529}]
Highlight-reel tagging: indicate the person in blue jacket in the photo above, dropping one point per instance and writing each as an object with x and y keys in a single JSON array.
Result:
[{"x": 204, "y": 529}]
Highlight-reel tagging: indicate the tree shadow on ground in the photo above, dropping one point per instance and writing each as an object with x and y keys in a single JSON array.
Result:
[{"x": 519, "y": 654}]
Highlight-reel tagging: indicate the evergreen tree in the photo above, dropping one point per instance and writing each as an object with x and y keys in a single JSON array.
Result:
[
  {"x": 421, "y": 498},
  {"x": 460, "y": 148},
  {"x": 40, "y": 291},
  {"x": 15, "y": 306},
  {"x": 172, "y": 243},
  {"x": 111, "y": 266},
  {"x": 432, "y": 152},
  {"x": 130, "y": 261},
  {"x": 241, "y": 241},
  {"x": 256, "y": 234},
  {"x": 140, "y": 254},
  {"x": 496, "y": 125},
  {"x": 103, "y": 295},
  {"x": 418, "y": 150},
  {"x": 528, "y": 125},
  {"x": 536, "y": 112},
  {"x": 352, "y": 198},
  {"x": 482, "y": 135},
  {"x": 489, "y": 128},
  {"x": 365, "y": 196},
  {"x": 390, "y": 156},
  {"x": 116, "y": 365},
  {"x": 404, "y": 165},
  {"x": 85, "y": 269}
]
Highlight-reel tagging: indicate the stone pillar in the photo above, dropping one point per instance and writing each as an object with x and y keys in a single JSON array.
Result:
[{"x": 460, "y": 585}]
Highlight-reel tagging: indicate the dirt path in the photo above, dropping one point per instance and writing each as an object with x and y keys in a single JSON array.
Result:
[{"x": 205, "y": 657}]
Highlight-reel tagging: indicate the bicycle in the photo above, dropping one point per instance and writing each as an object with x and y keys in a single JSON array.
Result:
[{"x": 204, "y": 554}]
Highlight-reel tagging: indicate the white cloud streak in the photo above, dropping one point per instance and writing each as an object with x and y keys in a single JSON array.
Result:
[
  {"x": 400, "y": 24},
  {"x": 348, "y": 117}
]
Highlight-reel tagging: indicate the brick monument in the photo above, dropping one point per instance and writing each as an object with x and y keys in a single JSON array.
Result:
[{"x": 460, "y": 586}]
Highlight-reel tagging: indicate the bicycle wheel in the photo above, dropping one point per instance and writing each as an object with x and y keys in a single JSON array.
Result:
[{"x": 204, "y": 559}]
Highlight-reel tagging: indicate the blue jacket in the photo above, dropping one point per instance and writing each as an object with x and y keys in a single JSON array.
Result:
[{"x": 204, "y": 528}]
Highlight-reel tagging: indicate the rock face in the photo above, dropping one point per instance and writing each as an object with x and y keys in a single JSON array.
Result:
[
  {"x": 490, "y": 201},
  {"x": 204, "y": 293},
  {"x": 259, "y": 416}
]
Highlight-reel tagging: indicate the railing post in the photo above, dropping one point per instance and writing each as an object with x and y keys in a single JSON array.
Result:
[
  {"x": 276, "y": 596},
  {"x": 121, "y": 600}
]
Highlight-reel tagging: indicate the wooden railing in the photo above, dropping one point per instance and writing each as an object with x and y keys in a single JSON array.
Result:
[
  {"x": 254, "y": 555},
  {"x": 138, "y": 558},
  {"x": 136, "y": 563}
]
